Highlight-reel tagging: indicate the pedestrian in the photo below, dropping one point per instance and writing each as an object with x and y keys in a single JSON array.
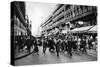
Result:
[
  {"x": 57, "y": 44},
  {"x": 28, "y": 45},
  {"x": 44, "y": 45},
  {"x": 62, "y": 45},
  {"x": 36, "y": 50},
  {"x": 51, "y": 45},
  {"x": 66, "y": 44},
  {"x": 70, "y": 47},
  {"x": 84, "y": 45}
]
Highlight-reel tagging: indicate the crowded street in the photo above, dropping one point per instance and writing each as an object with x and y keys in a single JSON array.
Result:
[{"x": 51, "y": 58}]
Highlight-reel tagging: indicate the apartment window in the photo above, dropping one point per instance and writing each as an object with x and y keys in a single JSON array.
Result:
[
  {"x": 89, "y": 8},
  {"x": 67, "y": 7},
  {"x": 84, "y": 9},
  {"x": 68, "y": 14},
  {"x": 80, "y": 9},
  {"x": 75, "y": 10}
]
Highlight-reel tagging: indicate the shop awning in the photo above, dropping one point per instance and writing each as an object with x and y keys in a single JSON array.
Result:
[
  {"x": 82, "y": 29},
  {"x": 93, "y": 29}
]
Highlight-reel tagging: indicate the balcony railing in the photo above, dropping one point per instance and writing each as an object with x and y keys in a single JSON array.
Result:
[
  {"x": 60, "y": 15},
  {"x": 59, "y": 10}
]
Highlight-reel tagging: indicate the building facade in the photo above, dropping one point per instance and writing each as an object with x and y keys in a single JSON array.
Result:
[
  {"x": 19, "y": 24},
  {"x": 20, "y": 27},
  {"x": 69, "y": 17}
]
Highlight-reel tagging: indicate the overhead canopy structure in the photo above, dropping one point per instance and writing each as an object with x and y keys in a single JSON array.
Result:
[
  {"x": 93, "y": 29},
  {"x": 81, "y": 30}
]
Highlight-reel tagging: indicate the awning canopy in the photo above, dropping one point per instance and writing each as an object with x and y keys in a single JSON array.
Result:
[
  {"x": 82, "y": 29},
  {"x": 93, "y": 29}
]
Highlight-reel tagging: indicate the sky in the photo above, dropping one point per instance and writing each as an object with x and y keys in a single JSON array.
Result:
[{"x": 38, "y": 13}]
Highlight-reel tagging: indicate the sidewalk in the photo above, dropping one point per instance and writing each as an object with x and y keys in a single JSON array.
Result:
[
  {"x": 22, "y": 54},
  {"x": 92, "y": 52},
  {"x": 18, "y": 54}
]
